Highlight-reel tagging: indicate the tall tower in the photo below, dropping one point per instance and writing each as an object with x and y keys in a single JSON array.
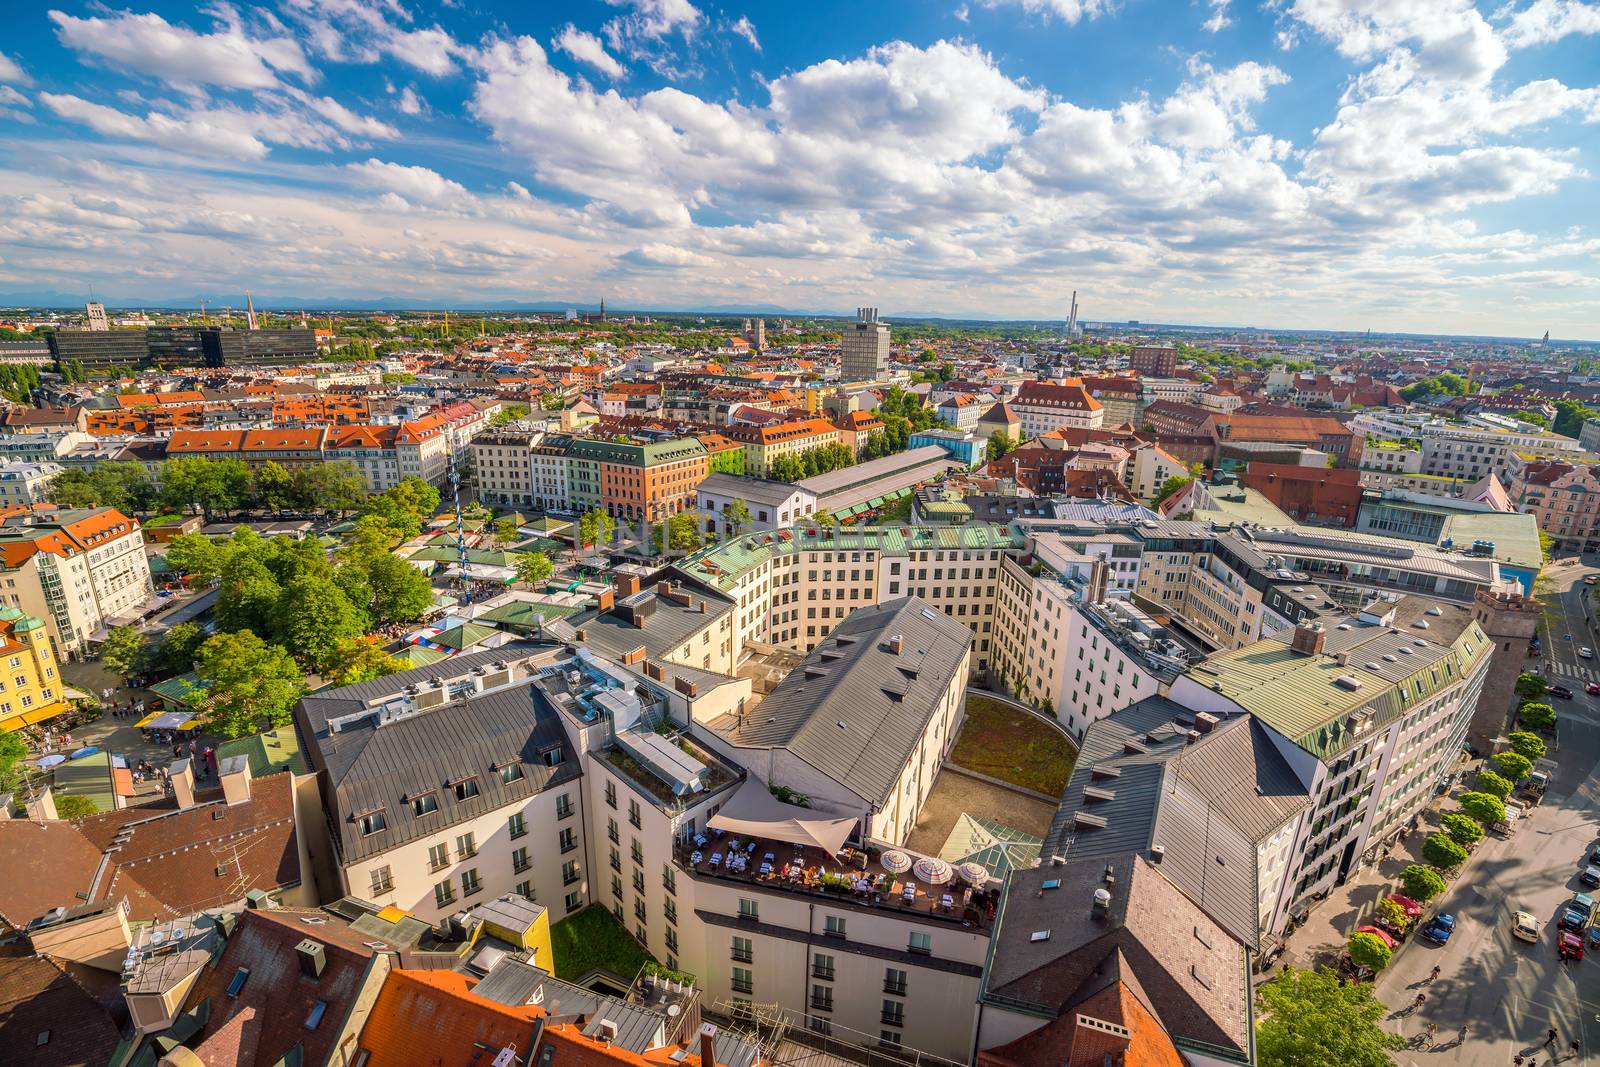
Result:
[
  {"x": 1072, "y": 318},
  {"x": 1510, "y": 619},
  {"x": 865, "y": 348},
  {"x": 759, "y": 338},
  {"x": 96, "y": 313},
  {"x": 250, "y": 313},
  {"x": 602, "y": 309}
]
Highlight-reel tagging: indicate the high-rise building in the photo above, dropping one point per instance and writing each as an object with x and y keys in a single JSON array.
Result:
[
  {"x": 96, "y": 314},
  {"x": 865, "y": 347},
  {"x": 758, "y": 335}
]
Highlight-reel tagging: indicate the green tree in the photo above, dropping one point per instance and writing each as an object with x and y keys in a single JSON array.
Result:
[
  {"x": 1570, "y": 416},
  {"x": 737, "y": 516},
  {"x": 197, "y": 557},
  {"x": 358, "y": 660},
  {"x": 534, "y": 568},
  {"x": 13, "y": 750},
  {"x": 1312, "y": 1019},
  {"x": 1528, "y": 746},
  {"x": 1392, "y": 913},
  {"x": 594, "y": 528},
  {"x": 1531, "y": 686},
  {"x": 786, "y": 468},
  {"x": 825, "y": 517},
  {"x": 332, "y": 488},
  {"x": 72, "y": 806},
  {"x": 679, "y": 532},
  {"x": 1513, "y": 765},
  {"x": 248, "y": 596},
  {"x": 1533, "y": 417},
  {"x": 1421, "y": 883},
  {"x": 179, "y": 645},
  {"x": 1484, "y": 807},
  {"x": 1000, "y": 444},
  {"x": 122, "y": 650},
  {"x": 1369, "y": 951},
  {"x": 1442, "y": 851},
  {"x": 249, "y": 685},
  {"x": 1491, "y": 783},
  {"x": 400, "y": 592},
  {"x": 1463, "y": 829},
  {"x": 1537, "y": 716},
  {"x": 274, "y": 487},
  {"x": 505, "y": 531},
  {"x": 313, "y": 616},
  {"x": 1170, "y": 486},
  {"x": 404, "y": 506}
]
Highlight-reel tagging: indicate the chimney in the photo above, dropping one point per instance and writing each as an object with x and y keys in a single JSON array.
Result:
[
  {"x": 607, "y": 1031},
  {"x": 1309, "y": 639},
  {"x": 708, "y": 1045},
  {"x": 608, "y": 600},
  {"x": 625, "y": 584},
  {"x": 43, "y": 807},
  {"x": 686, "y": 687},
  {"x": 1205, "y": 722},
  {"x": 664, "y": 589},
  {"x": 896, "y": 643},
  {"x": 633, "y": 656},
  {"x": 181, "y": 773},
  {"x": 313, "y": 958},
  {"x": 652, "y": 670},
  {"x": 235, "y": 774},
  {"x": 582, "y": 635}
]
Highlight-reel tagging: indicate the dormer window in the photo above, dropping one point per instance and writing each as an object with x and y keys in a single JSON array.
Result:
[
  {"x": 425, "y": 804},
  {"x": 466, "y": 789},
  {"x": 372, "y": 822},
  {"x": 511, "y": 772}
]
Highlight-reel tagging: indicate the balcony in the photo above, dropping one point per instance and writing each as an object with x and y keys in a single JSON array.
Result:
[{"x": 818, "y": 1004}]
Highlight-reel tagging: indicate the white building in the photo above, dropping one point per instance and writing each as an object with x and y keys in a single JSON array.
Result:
[
  {"x": 502, "y": 467},
  {"x": 772, "y": 505},
  {"x": 26, "y": 483}
]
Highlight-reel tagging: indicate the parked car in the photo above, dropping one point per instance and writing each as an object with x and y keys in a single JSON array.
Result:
[
  {"x": 1575, "y": 913},
  {"x": 1590, "y": 876},
  {"x": 1409, "y": 906},
  {"x": 1594, "y": 855},
  {"x": 1561, "y": 691},
  {"x": 1592, "y": 688},
  {"x": 1439, "y": 928},
  {"x": 1569, "y": 946},
  {"x": 1590, "y": 579},
  {"x": 1585, "y": 652},
  {"x": 1525, "y": 927}
]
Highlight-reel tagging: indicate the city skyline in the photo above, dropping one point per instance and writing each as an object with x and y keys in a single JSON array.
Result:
[{"x": 1411, "y": 167}]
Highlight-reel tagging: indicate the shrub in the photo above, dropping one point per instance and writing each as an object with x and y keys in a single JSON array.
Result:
[
  {"x": 1463, "y": 829},
  {"x": 71, "y": 806},
  {"x": 1369, "y": 951},
  {"x": 1442, "y": 851},
  {"x": 1421, "y": 883},
  {"x": 1513, "y": 765},
  {"x": 1529, "y": 746}
]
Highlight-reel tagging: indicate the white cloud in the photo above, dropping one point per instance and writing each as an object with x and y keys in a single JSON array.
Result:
[
  {"x": 746, "y": 29},
  {"x": 652, "y": 20},
  {"x": 664, "y": 255},
  {"x": 1544, "y": 21},
  {"x": 587, "y": 48},
  {"x": 11, "y": 97},
  {"x": 411, "y": 103},
  {"x": 1219, "y": 19},
  {"x": 347, "y": 120},
  {"x": 11, "y": 71},
  {"x": 432, "y": 51},
  {"x": 148, "y": 44},
  {"x": 202, "y": 135},
  {"x": 963, "y": 13},
  {"x": 414, "y": 185},
  {"x": 1068, "y": 11}
]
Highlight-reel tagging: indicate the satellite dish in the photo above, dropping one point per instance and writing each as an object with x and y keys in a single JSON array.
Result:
[
  {"x": 673, "y": 1011},
  {"x": 157, "y": 937}
]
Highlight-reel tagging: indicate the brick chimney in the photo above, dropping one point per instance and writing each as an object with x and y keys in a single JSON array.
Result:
[
  {"x": 608, "y": 600},
  {"x": 896, "y": 643},
  {"x": 181, "y": 772},
  {"x": 708, "y": 1045},
  {"x": 625, "y": 584},
  {"x": 1309, "y": 639}
]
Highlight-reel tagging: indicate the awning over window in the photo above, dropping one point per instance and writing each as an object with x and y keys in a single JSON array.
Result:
[{"x": 755, "y": 812}]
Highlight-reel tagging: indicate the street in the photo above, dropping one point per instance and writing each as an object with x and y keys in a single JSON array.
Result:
[{"x": 1507, "y": 993}]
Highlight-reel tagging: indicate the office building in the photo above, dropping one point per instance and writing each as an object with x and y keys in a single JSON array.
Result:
[{"x": 865, "y": 348}]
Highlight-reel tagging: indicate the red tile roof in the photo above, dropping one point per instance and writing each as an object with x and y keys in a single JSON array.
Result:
[
  {"x": 37, "y": 999},
  {"x": 430, "y": 1017}
]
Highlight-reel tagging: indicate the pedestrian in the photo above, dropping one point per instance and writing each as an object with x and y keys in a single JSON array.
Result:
[
  {"x": 1434, "y": 977},
  {"x": 1574, "y": 1046},
  {"x": 1550, "y": 1036}
]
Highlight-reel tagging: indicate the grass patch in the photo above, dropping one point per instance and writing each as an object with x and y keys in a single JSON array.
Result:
[
  {"x": 594, "y": 938},
  {"x": 1015, "y": 747}
]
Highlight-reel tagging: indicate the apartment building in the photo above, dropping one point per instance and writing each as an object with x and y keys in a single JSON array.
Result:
[
  {"x": 550, "y": 479},
  {"x": 631, "y": 481},
  {"x": 763, "y": 444},
  {"x": 1563, "y": 497},
  {"x": 502, "y": 467},
  {"x": 1045, "y": 406},
  {"x": 772, "y": 505},
  {"x": 78, "y": 569},
  {"x": 26, "y": 483},
  {"x": 290, "y": 448},
  {"x": 31, "y": 687},
  {"x": 372, "y": 449},
  {"x": 1463, "y": 449}
]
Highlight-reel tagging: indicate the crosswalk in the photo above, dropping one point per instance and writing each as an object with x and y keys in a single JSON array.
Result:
[{"x": 1572, "y": 671}]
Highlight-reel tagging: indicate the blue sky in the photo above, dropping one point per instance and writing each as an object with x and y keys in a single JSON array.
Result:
[{"x": 1425, "y": 165}]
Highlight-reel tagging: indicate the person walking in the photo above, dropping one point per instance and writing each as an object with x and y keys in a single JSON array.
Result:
[
  {"x": 1550, "y": 1037},
  {"x": 1434, "y": 977}
]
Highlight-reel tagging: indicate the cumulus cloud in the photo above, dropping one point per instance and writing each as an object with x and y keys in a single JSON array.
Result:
[
  {"x": 746, "y": 29},
  {"x": 1068, "y": 11},
  {"x": 199, "y": 135},
  {"x": 11, "y": 71},
  {"x": 410, "y": 102},
  {"x": 657, "y": 255},
  {"x": 587, "y": 48},
  {"x": 413, "y": 185},
  {"x": 148, "y": 44},
  {"x": 1219, "y": 19},
  {"x": 1544, "y": 21}
]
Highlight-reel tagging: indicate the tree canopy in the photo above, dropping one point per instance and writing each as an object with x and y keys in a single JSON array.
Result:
[
  {"x": 1463, "y": 829},
  {"x": 1369, "y": 951},
  {"x": 1311, "y": 1019},
  {"x": 1491, "y": 783},
  {"x": 1484, "y": 807},
  {"x": 122, "y": 650},
  {"x": 248, "y": 685},
  {"x": 1421, "y": 883},
  {"x": 1514, "y": 765},
  {"x": 1537, "y": 716},
  {"x": 1528, "y": 746},
  {"x": 1443, "y": 852}
]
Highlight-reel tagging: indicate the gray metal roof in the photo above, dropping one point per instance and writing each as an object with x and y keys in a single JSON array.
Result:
[
  {"x": 515, "y": 983},
  {"x": 666, "y": 631},
  {"x": 855, "y": 710},
  {"x": 383, "y": 767},
  {"x": 873, "y": 470},
  {"x": 750, "y": 490}
]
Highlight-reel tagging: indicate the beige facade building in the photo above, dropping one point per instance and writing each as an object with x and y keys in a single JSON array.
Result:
[{"x": 78, "y": 569}]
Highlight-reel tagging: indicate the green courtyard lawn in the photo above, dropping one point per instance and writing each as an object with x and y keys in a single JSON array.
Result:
[
  {"x": 1015, "y": 747},
  {"x": 594, "y": 938}
]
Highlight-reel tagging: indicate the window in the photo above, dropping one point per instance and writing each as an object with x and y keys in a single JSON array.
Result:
[
  {"x": 568, "y": 839},
  {"x": 469, "y": 882},
  {"x": 444, "y": 893},
  {"x": 637, "y": 851},
  {"x": 748, "y": 909},
  {"x": 438, "y": 856},
  {"x": 371, "y": 822},
  {"x": 517, "y": 825},
  {"x": 894, "y": 1013},
  {"x": 511, "y": 773},
  {"x": 240, "y": 976},
  {"x": 833, "y": 925},
  {"x": 318, "y": 1009},
  {"x": 466, "y": 846},
  {"x": 519, "y": 860},
  {"x": 921, "y": 943},
  {"x": 822, "y": 966},
  {"x": 894, "y": 981},
  {"x": 822, "y": 997},
  {"x": 611, "y": 793},
  {"x": 889, "y": 1038},
  {"x": 669, "y": 878},
  {"x": 611, "y": 831},
  {"x": 382, "y": 880},
  {"x": 569, "y": 872},
  {"x": 563, "y": 805},
  {"x": 467, "y": 789},
  {"x": 524, "y": 890},
  {"x": 572, "y": 903},
  {"x": 670, "y": 910},
  {"x": 638, "y": 881},
  {"x": 552, "y": 756},
  {"x": 743, "y": 980},
  {"x": 426, "y": 804},
  {"x": 742, "y": 950},
  {"x": 633, "y": 815}
]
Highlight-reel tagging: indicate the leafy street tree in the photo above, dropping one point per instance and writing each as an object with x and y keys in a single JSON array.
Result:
[
  {"x": 1442, "y": 851},
  {"x": 680, "y": 532},
  {"x": 179, "y": 645},
  {"x": 1537, "y": 716},
  {"x": 534, "y": 568},
  {"x": 122, "y": 650},
  {"x": 404, "y": 506},
  {"x": 248, "y": 598},
  {"x": 1421, "y": 883},
  {"x": 1464, "y": 830},
  {"x": 198, "y": 557},
  {"x": 72, "y": 806},
  {"x": 333, "y": 488},
  {"x": 1170, "y": 486},
  {"x": 737, "y": 516},
  {"x": 13, "y": 750},
  {"x": 1369, "y": 951},
  {"x": 825, "y": 518},
  {"x": 358, "y": 660},
  {"x": 595, "y": 528},
  {"x": 505, "y": 531},
  {"x": 126, "y": 486},
  {"x": 274, "y": 487},
  {"x": 1492, "y": 784},
  {"x": 1487, "y": 809},
  {"x": 1311, "y": 1019},
  {"x": 400, "y": 592},
  {"x": 1513, "y": 765},
  {"x": 1528, "y": 746},
  {"x": 1000, "y": 444},
  {"x": 314, "y": 616},
  {"x": 249, "y": 685},
  {"x": 1392, "y": 913},
  {"x": 1531, "y": 686}
]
